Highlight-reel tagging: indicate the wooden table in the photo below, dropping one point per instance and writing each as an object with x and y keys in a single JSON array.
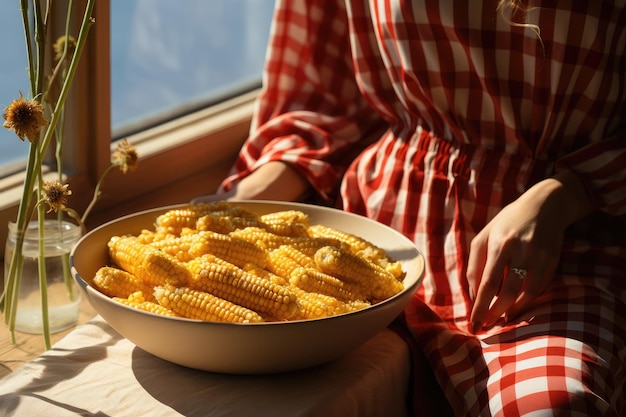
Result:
[{"x": 29, "y": 346}]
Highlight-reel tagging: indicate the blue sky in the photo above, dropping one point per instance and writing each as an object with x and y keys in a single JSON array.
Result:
[{"x": 163, "y": 53}]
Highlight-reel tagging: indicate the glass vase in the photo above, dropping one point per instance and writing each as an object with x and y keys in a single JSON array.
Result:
[{"x": 63, "y": 296}]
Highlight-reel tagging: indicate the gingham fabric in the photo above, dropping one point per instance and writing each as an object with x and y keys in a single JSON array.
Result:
[{"x": 430, "y": 116}]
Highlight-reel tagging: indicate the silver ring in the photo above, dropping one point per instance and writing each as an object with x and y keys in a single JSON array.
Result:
[{"x": 520, "y": 272}]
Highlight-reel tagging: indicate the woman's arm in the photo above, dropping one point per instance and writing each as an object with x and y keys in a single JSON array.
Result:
[
  {"x": 311, "y": 112},
  {"x": 272, "y": 181}
]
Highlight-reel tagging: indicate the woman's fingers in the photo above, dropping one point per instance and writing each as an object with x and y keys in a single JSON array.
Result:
[
  {"x": 489, "y": 287},
  {"x": 495, "y": 275},
  {"x": 476, "y": 265}
]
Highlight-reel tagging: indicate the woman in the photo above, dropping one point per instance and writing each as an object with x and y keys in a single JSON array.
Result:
[{"x": 492, "y": 135}]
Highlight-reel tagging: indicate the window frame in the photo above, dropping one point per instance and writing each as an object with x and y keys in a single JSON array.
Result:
[{"x": 185, "y": 157}]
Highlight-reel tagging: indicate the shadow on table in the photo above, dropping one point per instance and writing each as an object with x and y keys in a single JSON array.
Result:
[
  {"x": 54, "y": 367},
  {"x": 347, "y": 386},
  {"x": 198, "y": 393}
]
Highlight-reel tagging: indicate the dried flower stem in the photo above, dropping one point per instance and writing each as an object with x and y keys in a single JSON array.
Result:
[
  {"x": 96, "y": 194},
  {"x": 41, "y": 266}
]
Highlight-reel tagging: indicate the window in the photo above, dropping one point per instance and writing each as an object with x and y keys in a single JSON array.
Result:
[
  {"x": 181, "y": 83},
  {"x": 169, "y": 58},
  {"x": 14, "y": 79}
]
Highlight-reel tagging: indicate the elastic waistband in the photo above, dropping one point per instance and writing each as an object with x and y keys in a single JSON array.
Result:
[{"x": 461, "y": 159}]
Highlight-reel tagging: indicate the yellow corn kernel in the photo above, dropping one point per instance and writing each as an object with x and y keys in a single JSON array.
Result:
[
  {"x": 116, "y": 282},
  {"x": 286, "y": 223},
  {"x": 137, "y": 300},
  {"x": 146, "y": 236},
  {"x": 313, "y": 280},
  {"x": 140, "y": 297},
  {"x": 200, "y": 305},
  {"x": 284, "y": 259},
  {"x": 374, "y": 281},
  {"x": 230, "y": 248},
  {"x": 149, "y": 264},
  {"x": 232, "y": 283}
]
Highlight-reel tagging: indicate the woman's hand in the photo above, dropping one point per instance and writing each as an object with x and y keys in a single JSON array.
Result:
[{"x": 513, "y": 259}]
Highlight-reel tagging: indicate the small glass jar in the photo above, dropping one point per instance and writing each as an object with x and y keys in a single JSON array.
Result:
[{"x": 63, "y": 295}]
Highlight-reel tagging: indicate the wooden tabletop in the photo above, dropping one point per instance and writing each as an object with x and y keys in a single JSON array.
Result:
[{"x": 28, "y": 346}]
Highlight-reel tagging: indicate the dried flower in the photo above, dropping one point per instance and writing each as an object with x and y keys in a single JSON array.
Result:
[
  {"x": 25, "y": 117},
  {"x": 55, "y": 195},
  {"x": 125, "y": 157},
  {"x": 59, "y": 46}
]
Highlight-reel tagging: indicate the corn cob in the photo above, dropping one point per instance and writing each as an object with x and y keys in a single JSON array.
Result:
[
  {"x": 259, "y": 237},
  {"x": 311, "y": 305},
  {"x": 313, "y": 280},
  {"x": 236, "y": 285},
  {"x": 284, "y": 259},
  {"x": 374, "y": 281},
  {"x": 173, "y": 221},
  {"x": 265, "y": 274},
  {"x": 149, "y": 264},
  {"x": 228, "y": 219},
  {"x": 176, "y": 246},
  {"x": 360, "y": 247},
  {"x": 357, "y": 245},
  {"x": 271, "y": 241},
  {"x": 137, "y": 300},
  {"x": 146, "y": 236},
  {"x": 116, "y": 282},
  {"x": 395, "y": 269},
  {"x": 286, "y": 223},
  {"x": 214, "y": 222},
  {"x": 200, "y": 305},
  {"x": 232, "y": 249}
]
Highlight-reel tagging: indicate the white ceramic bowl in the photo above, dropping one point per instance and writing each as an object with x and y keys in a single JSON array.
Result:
[{"x": 248, "y": 348}]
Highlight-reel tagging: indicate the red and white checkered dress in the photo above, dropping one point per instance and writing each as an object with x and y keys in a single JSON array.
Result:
[{"x": 430, "y": 116}]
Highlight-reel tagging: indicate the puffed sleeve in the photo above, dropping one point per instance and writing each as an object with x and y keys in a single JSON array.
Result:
[{"x": 310, "y": 112}]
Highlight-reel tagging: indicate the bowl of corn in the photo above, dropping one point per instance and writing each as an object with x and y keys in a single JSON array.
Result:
[{"x": 247, "y": 287}]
